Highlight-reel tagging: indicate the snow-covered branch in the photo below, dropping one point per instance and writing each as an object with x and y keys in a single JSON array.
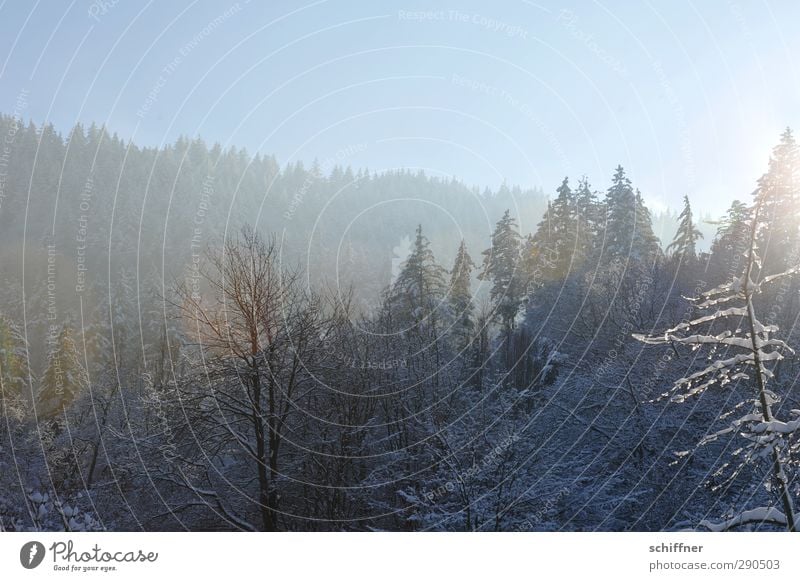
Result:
[{"x": 761, "y": 515}]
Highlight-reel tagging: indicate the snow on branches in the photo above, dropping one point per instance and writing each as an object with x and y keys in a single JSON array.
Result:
[
  {"x": 741, "y": 350},
  {"x": 760, "y": 515}
]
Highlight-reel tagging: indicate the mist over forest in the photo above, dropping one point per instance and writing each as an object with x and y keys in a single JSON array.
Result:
[{"x": 196, "y": 338}]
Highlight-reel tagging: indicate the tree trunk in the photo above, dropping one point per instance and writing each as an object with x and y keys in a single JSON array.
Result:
[
  {"x": 267, "y": 518},
  {"x": 766, "y": 412}
]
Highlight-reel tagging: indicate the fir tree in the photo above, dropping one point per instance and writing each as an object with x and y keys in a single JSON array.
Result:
[
  {"x": 629, "y": 228},
  {"x": 684, "y": 245},
  {"x": 420, "y": 286},
  {"x": 556, "y": 238},
  {"x": 621, "y": 222},
  {"x": 460, "y": 298}
]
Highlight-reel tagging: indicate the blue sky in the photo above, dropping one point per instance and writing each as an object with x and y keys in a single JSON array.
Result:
[{"x": 689, "y": 96}]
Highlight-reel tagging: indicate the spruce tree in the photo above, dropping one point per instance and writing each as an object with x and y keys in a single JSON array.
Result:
[
  {"x": 778, "y": 195},
  {"x": 14, "y": 371},
  {"x": 64, "y": 378},
  {"x": 501, "y": 267},
  {"x": 621, "y": 219},
  {"x": 730, "y": 242},
  {"x": 530, "y": 266},
  {"x": 588, "y": 218},
  {"x": 646, "y": 246},
  {"x": 565, "y": 222}
]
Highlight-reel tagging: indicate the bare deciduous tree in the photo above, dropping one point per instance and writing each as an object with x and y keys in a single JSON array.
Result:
[{"x": 261, "y": 340}]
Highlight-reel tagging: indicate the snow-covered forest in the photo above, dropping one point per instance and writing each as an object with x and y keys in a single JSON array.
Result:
[{"x": 196, "y": 338}]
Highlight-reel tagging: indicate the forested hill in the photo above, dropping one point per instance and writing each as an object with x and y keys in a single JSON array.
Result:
[
  {"x": 151, "y": 209},
  {"x": 146, "y": 205}
]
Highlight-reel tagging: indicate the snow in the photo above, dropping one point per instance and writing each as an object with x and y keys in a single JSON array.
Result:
[
  {"x": 759, "y": 515},
  {"x": 776, "y": 426}
]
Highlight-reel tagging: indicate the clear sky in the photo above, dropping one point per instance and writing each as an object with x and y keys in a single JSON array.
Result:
[{"x": 689, "y": 96}]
